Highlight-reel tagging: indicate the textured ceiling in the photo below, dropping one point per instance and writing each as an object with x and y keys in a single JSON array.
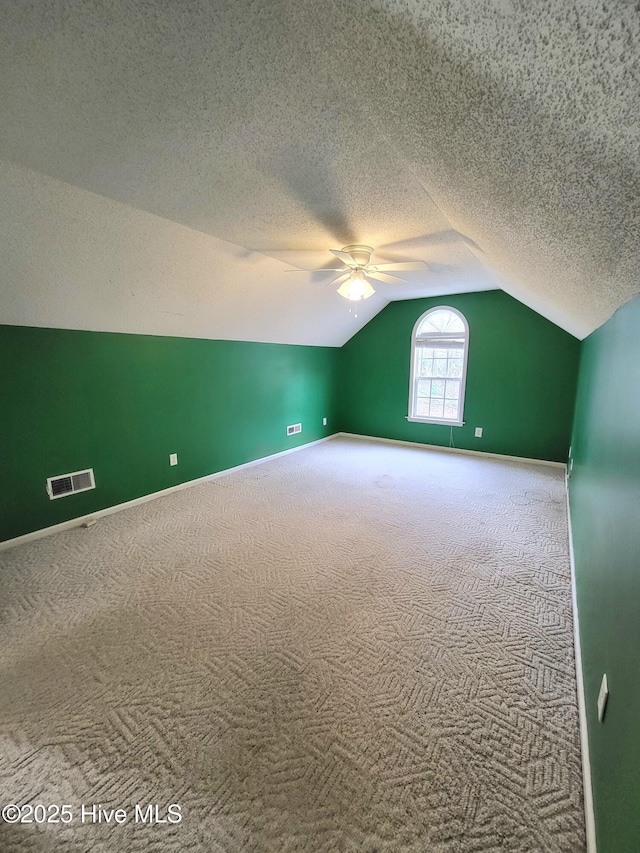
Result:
[{"x": 498, "y": 140}]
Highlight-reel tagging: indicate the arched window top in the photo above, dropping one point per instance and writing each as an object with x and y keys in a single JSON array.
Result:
[
  {"x": 439, "y": 346},
  {"x": 441, "y": 321}
]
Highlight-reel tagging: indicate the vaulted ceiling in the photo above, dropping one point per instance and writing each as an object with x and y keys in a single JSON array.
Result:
[{"x": 497, "y": 140}]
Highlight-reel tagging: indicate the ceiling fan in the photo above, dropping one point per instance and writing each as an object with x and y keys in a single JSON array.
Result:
[{"x": 357, "y": 270}]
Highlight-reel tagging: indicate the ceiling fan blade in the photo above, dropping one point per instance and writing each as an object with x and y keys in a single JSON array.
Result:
[
  {"x": 382, "y": 276},
  {"x": 407, "y": 265},
  {"x": 321, "y": 269},
  {"x": 339, "y": 279},
  {"x": 345, "y": 257}
]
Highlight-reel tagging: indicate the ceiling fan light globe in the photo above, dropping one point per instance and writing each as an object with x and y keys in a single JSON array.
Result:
[
  {"x": 368, "y": 290},
  {"x": 344, "y": 290},
  {"x": 356, "y": 288}
]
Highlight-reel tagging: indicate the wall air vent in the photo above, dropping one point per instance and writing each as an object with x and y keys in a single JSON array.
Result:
[
  {"x": 294, "y": 429},
  {"x": 69, "y": 484}
]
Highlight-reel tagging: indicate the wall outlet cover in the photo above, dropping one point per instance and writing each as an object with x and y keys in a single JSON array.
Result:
[
  {"x": 173, "y": 459},
  {"x": 478, "y": 432},
  {"x": 324, "y": 422},
  {"x": 602, "y": 697}
]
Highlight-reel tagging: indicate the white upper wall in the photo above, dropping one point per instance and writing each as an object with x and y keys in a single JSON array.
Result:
[{"x": 498, "y": 141}]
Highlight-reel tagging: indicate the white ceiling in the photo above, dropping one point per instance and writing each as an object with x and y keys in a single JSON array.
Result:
[{"x": 495, "y": 139}]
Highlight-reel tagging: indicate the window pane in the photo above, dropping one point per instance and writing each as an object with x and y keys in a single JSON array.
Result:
[
  {"x": 439, "y": 367},
  {"x": 425, "y": 352},
  {"x": 453, "y": 389},
  {"x": 436, "y": 408},
  {"x": 451, "y": 409},
  {"x": 437, "y": 388},
  {"x": 423, "y": 388},
  {"x": 422, "y": 407},
  {"x": 425, "y": 367},
  {"x": 455, "y": 367}
]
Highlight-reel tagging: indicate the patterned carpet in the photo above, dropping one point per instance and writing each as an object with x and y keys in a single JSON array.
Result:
[{"x": 357, "y": 647}]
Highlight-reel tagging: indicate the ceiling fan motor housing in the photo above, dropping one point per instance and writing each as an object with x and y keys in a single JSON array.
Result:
[{"x": 360, "y": 254}]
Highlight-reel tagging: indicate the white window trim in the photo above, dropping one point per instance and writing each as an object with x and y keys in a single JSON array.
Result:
[{"x": 463, "y": 382}]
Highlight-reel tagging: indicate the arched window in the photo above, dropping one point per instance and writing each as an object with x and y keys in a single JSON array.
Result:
[{"x": 439, "y": 347}]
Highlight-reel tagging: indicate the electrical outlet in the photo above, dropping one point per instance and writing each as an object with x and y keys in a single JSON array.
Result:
[
  {"x": 173, "y": 459},
  {"x": 478, "y": 432},
  {"x": 324, "y": 422},
  {"x": 602, "y": 697}
]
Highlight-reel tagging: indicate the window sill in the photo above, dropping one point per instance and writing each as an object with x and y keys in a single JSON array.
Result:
[{"x": 442, "y": 422}]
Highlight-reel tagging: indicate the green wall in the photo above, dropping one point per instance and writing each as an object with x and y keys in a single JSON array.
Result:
[
  {"x": 605, "y": 509},
  {"x": 521, "y": 378},
  {"x": 120, "y": 404}
]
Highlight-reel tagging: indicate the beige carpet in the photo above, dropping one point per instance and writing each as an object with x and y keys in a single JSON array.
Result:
[{"x": 357, "y": 647}]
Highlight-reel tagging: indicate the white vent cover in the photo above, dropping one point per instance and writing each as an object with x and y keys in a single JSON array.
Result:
[
  {"x": 294, "y": 429},
  {"x": 69, "y": 484}
]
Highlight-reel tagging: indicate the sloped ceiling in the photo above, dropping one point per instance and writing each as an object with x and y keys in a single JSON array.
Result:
[{"x": 497, "y": 140}]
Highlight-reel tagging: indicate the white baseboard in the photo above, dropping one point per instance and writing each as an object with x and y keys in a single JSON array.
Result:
[
  {"x": 454, "y": 450},
  {"x": 590, "y": 822},
  {"x": 100, "y": 513}
]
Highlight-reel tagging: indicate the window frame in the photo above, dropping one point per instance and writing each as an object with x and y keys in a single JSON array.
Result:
[{"x": 412, "y": 373}]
